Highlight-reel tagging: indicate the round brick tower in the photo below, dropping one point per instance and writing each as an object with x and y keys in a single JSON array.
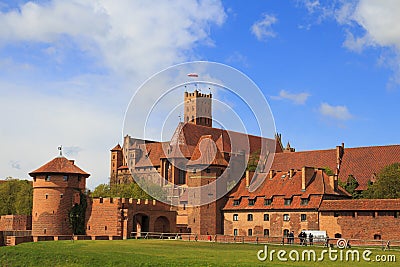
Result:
[{"x": 56, "y": 188}]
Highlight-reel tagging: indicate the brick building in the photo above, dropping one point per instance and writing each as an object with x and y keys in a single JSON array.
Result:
[{"x": 295, "y": 194}]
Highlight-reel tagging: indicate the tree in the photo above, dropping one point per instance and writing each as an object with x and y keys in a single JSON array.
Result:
[
  {"x": 254, "y": 159},
  {"x": 350, "y": 186},
  {"x": 132, "y": 190},
  {"x": 102, "y": 190},
  {"x": 16, "y": 197},
  {"x": 387, "y": 184},
  {"x": 328, "y": 171}
]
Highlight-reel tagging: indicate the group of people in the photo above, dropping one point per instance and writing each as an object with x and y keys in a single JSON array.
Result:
[{"x": 302, "y": 237}]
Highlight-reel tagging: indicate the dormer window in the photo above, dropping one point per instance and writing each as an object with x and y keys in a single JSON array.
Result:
[
  {"x": 47, "y": 179},
  {"x": 304, "y": 201},
  {"x": 267, "y": 202},
  {"x": 252, "y": 202},
  {"x": 236, "y": 202},
  {"x": 288, "y": 201}
]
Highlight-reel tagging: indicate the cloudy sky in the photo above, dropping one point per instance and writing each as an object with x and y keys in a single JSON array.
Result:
[{"x": 330, "y": 70}]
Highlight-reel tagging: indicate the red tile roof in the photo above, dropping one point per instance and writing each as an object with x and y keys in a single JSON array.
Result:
[
  {"x": 281, "y": 186},
  {"x": 297, "y": 160},
  {"x": 364, "y": 162},
  {"x": 360, "y": 204},
  {"x": 207, "y": 153},
  {"x": 60, "y": 165},
  {"x": 191, "y": 134},
  {"x": 117, "y": 148}
]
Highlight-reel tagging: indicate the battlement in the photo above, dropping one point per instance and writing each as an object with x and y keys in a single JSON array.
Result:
[
  {"x": 197, "y": 94},
  {"x": 107, "y": 200}
]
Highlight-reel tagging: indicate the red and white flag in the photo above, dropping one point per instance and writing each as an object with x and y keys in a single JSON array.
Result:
[{"x": 193, "y": 75}]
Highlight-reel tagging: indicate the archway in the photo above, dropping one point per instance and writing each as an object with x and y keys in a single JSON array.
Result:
[
  {"x": 140, "y": 223},
  {"x": 162, "y": 225}
]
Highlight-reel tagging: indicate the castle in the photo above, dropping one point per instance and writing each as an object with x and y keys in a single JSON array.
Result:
[{"x": 295, "y": 194}]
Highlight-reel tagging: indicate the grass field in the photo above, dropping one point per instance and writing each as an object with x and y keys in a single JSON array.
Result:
[{"x": 158, "y": 253}]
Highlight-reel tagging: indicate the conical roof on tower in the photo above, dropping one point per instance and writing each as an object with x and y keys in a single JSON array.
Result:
[{"x": 60, "y": 165}]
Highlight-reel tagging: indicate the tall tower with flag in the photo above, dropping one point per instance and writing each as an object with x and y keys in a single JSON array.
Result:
[{"x": 197, "y": 108}]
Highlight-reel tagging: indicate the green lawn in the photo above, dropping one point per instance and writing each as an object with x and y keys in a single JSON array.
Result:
[{"x": 155, "y": 253}]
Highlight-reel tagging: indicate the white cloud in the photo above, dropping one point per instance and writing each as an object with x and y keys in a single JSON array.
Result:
[
  {"x": 298, "y": 99},
  {"x": 129, "y": 37},
  {"x": 367, "y": 24},
  {"x": 336, "y": 112},
  {"x": 262, "y": 29},
  {"x": 83, "y": 111}
]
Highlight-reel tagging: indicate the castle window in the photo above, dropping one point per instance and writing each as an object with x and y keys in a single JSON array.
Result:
[
  {"x": 286, "y": 217},
  {"x": 377, "y": 237},
  {"x": 266, "y": 217},
  {"x": 105, "y": 228},
  {"x": 61, "y": 195},
  {"x": 236, "y": 202},
  {"x": 236, "y": 217},
  {"x": 285, "y": 232},
  {"x": 304, "y": 201},
  {"x": 47, "y": 179},
  {"x": 235, "y": 232},
  {"x": 46, "y": 196},
  {"x": 250, "y": 232},
  {"x": 250, "y": 217},
  {"x": 266, "y": 232},
  {"x": 88, "y": 227},
  {"x": 79, "y": 178},
  {"x": 288, "y": 201},
  {"x": 252, "y": 202},
  {"x": 113, "y": 158},
  {"x": 303, "y": 217},
  {"x": 338, "y": 235},
  {"x": 65, "y": 178},
  {"x": 101, "y": 200},
  {"x": 34, "y": 178},
  {"x": 267, "y": 202},
  {"x": 181, "y": 177},
  {"x": 44, "y": 231}
]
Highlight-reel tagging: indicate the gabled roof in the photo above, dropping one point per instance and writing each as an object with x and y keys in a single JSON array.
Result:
[
  {"x": 59, "y": 165},
  {"x": 365, "y": 162},
  {"x": 296, "y": 160},
  {"x": 190, "y": 135},
  {"x": 284, "y": 187},
  {"x": 360, "y": 205},
  {"x": 207, "y": 153},
  {"x": 117, "y": 148}
]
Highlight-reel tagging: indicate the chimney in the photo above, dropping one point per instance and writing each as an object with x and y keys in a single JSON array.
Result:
[
  {"x": 271, "y": 174},
  {"x": 71, "y": 161},
  {"x": 307, "y": 174},
  {"x": 339, "y": 156},
  {"x": 333, "y": 181},
  {"x": 291, "y": 173},
  {"x": 247, "y": 178}
]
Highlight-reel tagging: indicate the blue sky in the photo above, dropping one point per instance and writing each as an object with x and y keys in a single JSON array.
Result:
[{"x": 330, "y": 70}]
